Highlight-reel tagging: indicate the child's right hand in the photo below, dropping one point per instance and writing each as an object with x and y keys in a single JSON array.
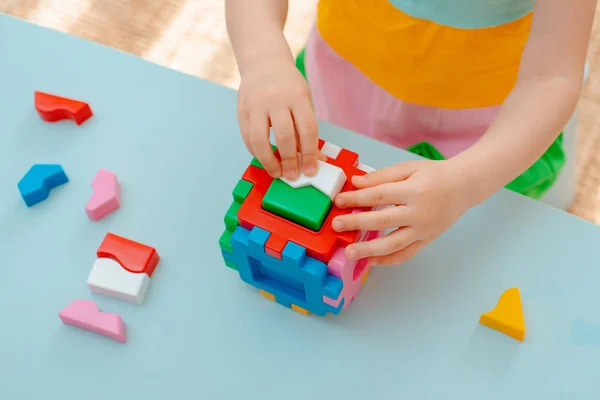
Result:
[{"x": 274, "y": 94}]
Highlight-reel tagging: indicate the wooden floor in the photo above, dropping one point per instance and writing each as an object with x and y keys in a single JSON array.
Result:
[{"x": 190, "y": 36}]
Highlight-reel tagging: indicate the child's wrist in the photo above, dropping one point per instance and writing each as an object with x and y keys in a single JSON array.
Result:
[
  {"x": 479, "y": 175},
  {"x": 275, "y": 51}
]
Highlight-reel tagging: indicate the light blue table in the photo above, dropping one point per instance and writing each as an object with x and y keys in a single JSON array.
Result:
[{"x": 202, "y": 333}]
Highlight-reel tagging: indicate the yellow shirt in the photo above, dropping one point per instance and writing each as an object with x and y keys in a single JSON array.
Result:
[{"x": 423, "y": 62}]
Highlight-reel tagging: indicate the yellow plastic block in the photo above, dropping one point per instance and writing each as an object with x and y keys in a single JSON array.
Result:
[
  {"x": 267, "y": 295},
  {"x": 364, "y": 279},
  {"x": 507, "y": 316},
  {"x": 299, "y": 309}
]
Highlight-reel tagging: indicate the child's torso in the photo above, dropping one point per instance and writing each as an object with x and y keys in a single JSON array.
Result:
[
  {"x": 441, "y": 53},
  {"x": 466, "y": 13}
]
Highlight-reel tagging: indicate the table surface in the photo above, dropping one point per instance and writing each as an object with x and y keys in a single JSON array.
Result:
[{"x": 202, "y": 333}]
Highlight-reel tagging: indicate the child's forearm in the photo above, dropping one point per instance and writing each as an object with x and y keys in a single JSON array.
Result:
[
  {"x": 541, "y": 103},
  {"x": 529, "y": 121},
  {"x": 256, "y": 31}
]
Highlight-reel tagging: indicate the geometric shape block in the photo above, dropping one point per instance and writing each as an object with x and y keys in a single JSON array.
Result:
[
  {"x": 305, "y": 206},
  {"x": 364, "y": 279},
  {"x": 133, "y": 256},
  {"x": 329, "y": 180},
  {"x": 507, "y": 316},
  {"x": 275, "y": 246},
  {"x": 299, "y": 309},
  {"x": 295, "y": 279},
  {"x": 330, "y": 150},
  {"x": 225, "y": 242},
  {"x": 55, "y": 108},
  {"x": 281, "y": 240},
  {"x": 353, "y": 273},
  {"x": 106, "y": 197},
  {"x": 231, "y": 216},
  {"x": 241, "y": 190},
  {"x": 319, "y": 245},
  {"x": 84, "y": 314},
  {"x": 111, "y": 279},
  {"x": 230, "y": 265},
  {"x": 37, "y": 183},
  {"x": 267, "y": 295}
]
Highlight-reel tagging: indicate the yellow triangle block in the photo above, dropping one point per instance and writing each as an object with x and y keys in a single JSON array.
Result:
[{"x": 507, "y": 316}]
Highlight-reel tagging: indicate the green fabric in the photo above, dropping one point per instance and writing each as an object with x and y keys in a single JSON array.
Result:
[
  {"x": 300, "y": 63},
  {"x": 534, "y": 182}
]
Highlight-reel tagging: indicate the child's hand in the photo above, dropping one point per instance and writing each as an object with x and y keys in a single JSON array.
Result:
[
  {"x": 275, "y": 94},
  {"x": 430, "y": 196}
]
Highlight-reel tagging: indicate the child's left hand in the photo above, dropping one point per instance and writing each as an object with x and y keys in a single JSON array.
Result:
[{"x": 429, "y": 197}]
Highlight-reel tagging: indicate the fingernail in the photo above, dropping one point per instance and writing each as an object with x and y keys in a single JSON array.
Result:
[
  {"x": 290, "y": 173},
  {"x": 339, "y": 202},
  {"x": 352, "y": 254},
  {"x": 338, "y": 225},
  {"x": 310, "y": 170}
]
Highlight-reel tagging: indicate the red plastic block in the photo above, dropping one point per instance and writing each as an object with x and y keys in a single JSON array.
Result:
[
  {"x": 275, "y": 245},
  {"x": 319, "y": 245},
  {"x": 133, "y": 256},
  {"x": 54, "y": 108}
]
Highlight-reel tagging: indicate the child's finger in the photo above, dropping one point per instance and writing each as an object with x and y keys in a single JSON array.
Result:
[
  {"x": 259, "y": 138},
  {"x": 395, "y": 241},
  {"x": 380, "y": 195},
  {"x": 308, "y": 132},
  {"x": 398, "y": 257},
  {"x": 244, "y": 130},
  {"x": 386, "y": 218},
  {"x": 285, "y": 137},
  {"x": 394, "y": 173}
]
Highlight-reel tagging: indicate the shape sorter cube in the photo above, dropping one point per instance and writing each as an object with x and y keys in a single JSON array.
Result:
[
  {"x": 123, "y": 269},
  {"x": 278, "y": 235}
]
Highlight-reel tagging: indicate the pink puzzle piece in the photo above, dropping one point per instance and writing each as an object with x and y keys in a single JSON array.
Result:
[
  {"x": 351, "y": 272},
  {"x": 85, "y": 315},
  {"x": 106, "y": 197}
]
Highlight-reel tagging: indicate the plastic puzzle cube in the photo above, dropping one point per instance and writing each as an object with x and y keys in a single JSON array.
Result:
[{"x": 278, "y": 235}]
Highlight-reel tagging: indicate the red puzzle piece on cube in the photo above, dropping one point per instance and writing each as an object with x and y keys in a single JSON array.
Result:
[
  {"x": 55, "y": 108},
  {"x": 133, "y": 256},
  {"x": 319, "y": 245}
]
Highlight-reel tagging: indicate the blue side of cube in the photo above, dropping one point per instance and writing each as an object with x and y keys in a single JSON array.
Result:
[{"x": 295, "y": 279}]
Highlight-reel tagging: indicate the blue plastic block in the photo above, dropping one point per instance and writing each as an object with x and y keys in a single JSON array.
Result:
[
  {"x": 295, "y": 279},
  {"x": 37, "y": 183}
]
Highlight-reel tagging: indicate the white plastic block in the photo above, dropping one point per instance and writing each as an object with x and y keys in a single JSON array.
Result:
[
  {"x": 109, "y": 278},
  {"x": 329, "y": 180},
  {"x": 331, "y": 150},
  {"x": 365, "y": 168}
]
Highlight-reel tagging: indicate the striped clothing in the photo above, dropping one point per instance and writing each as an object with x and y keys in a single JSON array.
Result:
[{"x": 412, "y": 71}]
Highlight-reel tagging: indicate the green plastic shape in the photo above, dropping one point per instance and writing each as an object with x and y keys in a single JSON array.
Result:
[
  {"x": 305, "y": 206},
  {"x": 240, "y": 192}
]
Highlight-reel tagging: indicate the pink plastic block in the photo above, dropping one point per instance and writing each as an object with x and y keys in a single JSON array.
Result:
[
  {"x": 85, "y": 315},
  {"x": 106, "y": 197},
  {"x": 351, "y": 272}
]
